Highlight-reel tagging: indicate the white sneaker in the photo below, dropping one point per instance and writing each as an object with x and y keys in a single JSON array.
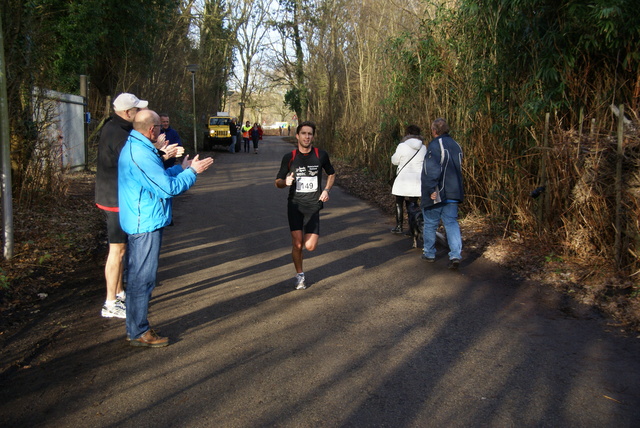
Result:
[
  {"x": 300, "y": 285},
  {"x": 117, "y": 310},
  {"x": 121, "y": 297}
]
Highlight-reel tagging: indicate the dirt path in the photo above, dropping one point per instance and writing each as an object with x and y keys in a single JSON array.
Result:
[{"x": 379, "y": 339}]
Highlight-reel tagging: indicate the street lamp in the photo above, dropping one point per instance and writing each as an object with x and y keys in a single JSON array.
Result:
[{"x": 193, "y": 68}]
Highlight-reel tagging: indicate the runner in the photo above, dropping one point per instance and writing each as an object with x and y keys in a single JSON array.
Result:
[{"x": 303, "y": 167}]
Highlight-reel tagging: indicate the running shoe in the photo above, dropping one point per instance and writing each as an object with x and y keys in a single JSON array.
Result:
[
  {"x": 300, "y": 285},
  {"x": 121, "y": 297},
  {"x": 117, "y": 310}
]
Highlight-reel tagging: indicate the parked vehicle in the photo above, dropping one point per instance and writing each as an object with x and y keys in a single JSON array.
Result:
[{"x": 219, "y": 134}]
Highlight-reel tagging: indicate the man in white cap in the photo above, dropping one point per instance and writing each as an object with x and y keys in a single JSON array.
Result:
[{"x": 113, "y": 135}]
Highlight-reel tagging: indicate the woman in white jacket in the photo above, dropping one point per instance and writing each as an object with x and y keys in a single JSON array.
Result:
[{"x": 409, "y": 157}]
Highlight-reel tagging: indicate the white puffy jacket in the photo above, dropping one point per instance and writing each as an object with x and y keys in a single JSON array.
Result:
[{"x": 407, "y": 182}]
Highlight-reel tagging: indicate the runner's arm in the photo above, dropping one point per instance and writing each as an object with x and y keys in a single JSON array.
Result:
[
  {"x": 324, "y": 196},
  {"x": 330, "y": 179},
  {"x": 283, "y": 172}
]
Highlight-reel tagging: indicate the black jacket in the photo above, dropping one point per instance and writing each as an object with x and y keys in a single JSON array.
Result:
[{"x": 112, "y": 138}]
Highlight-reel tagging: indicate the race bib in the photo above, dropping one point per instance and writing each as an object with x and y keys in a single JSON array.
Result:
[{"x": 306, "y": 184}]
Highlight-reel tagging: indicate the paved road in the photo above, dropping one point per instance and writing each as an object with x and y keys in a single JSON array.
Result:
[{"x": 379, "y": 339}]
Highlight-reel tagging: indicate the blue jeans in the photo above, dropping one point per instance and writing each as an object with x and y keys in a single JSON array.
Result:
[
  {"x": 232, "y": 147},
  {"x": 448, "y": 213},
  {"x": 144, "y": 252}
]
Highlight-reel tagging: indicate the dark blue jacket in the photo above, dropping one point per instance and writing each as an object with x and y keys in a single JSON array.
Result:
[
  {"x": 442, "y": 170},
  {"x": 172, "y": 135}
]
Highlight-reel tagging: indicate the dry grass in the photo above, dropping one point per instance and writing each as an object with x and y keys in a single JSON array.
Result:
[{"x": 52, "y": 238}]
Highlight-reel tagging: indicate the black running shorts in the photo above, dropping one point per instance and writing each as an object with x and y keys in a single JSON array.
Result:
[
  {"x": 308, "y": 222},
  {"x": 114, "y": 231}
]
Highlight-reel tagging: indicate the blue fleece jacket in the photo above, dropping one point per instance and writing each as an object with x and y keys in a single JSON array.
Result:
[{"x": 145, "y": 187}]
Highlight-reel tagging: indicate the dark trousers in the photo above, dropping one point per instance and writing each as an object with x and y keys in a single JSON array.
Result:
[{"x": 400, "y": 209}]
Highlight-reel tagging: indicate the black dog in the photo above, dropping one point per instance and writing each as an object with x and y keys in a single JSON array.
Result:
[{"x": 416, "y": 226}]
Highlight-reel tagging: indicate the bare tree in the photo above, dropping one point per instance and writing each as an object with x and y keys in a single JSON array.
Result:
[
  {"x": 215, "y": 53},
  {"x": 248, "y": 22},
  {"x": 289, "y": 59}
]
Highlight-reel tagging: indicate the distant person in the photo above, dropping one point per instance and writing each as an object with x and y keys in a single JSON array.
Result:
[
  {"x": 112, "y": 138},
  {"x": 233, "y": 131},
  {"x": 255, "y": 137},
  {"x": 246, "y": 129},
  {"x": 408, "y": 156},
  {"x": 171, "y": 137},
  {"x": 301, "y": 171},
  {"x": 238, "y": 136},
  {"x": 442, "y": 191},
  {"x": 144, "y": 188}
]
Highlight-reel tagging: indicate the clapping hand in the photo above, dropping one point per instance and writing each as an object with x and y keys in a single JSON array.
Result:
[
  {"x": 172, "y": 150},
  {"x": 197, "y": 164},
  {"x": 161, "y": 141}
]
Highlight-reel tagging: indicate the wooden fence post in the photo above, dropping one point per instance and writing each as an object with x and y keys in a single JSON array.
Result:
[
  {"x": 542, "y": 175},
  {"x": 618, "y": 188}
]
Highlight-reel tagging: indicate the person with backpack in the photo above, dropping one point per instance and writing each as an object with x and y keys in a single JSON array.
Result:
[
  {"x": 301, "y": 171},
  {"x": 442, "y": 191}
]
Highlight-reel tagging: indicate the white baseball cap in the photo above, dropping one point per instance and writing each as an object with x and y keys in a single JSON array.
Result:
[{"x": 127, "y": 101}]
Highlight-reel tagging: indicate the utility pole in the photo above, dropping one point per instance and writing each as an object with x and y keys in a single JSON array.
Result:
[
  {"x": 5, "y": 155},
  {"x": 85, "y": 118},
  {"x": 193, "y": 68}
]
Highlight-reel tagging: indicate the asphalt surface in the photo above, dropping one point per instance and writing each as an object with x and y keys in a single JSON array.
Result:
[{"x": 380, "y": 339}]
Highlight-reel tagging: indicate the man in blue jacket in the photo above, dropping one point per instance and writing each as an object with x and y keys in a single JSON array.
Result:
[
  {"x": 442, "y": 191},
  {"x": 145, "y": 188}
]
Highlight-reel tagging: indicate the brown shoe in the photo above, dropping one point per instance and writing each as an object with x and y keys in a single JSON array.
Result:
[{"x": 150, "y": 339}]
